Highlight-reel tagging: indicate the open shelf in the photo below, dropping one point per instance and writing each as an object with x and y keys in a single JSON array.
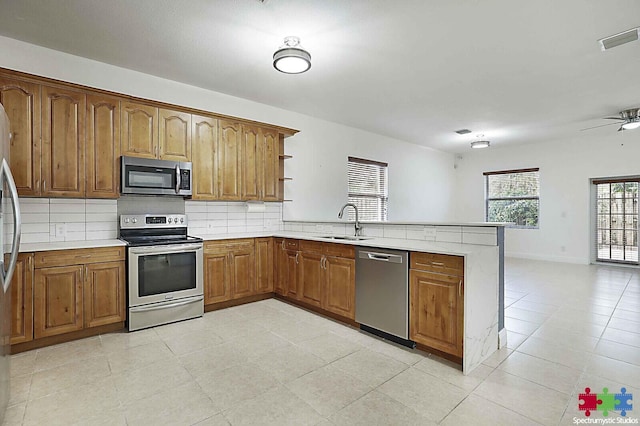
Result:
[
  {"x": 285, "y": 178},
  {"x": 285, "y": 157}
]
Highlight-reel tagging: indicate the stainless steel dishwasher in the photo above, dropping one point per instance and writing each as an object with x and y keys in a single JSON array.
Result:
[{"x": 382, "y": 293}]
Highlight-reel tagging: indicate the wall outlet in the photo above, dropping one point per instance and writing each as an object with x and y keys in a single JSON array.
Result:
[
  {"x": 429, "y": 232},
  {"x": 61, "y": 230}
]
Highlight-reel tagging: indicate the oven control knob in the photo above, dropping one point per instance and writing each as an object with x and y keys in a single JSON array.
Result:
[
  {"x": 181, "y": 219},
  {"x": 134, "y": 220},
  {"x": 175, "y": 220},
  {"x": 169, "y": 220}
]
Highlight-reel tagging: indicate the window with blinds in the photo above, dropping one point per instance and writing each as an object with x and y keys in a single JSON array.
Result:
[
  {"x": 368, "y": 188},
  {"x": 513, "y": 196}
]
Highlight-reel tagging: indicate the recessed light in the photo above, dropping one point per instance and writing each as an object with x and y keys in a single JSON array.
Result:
[{"x": 463, "y": 131}]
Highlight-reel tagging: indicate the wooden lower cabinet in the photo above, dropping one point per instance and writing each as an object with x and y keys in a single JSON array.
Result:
[
  {"x": 58, "y": 300},
  {"x": 340, "y": 285},
  {"x": 280, "y": 266},
  {"x": 104, "y": 294},
  {"x": 311, "y": 275},
  {"x": 229, "y": 270},
  {"x": 436, "y": 310},
  {"x": 327, "y": 281},
  {"x": 75, "y": 290},
  {"x": 264, "y": 265},
  {"x": 22, "y": 300}
]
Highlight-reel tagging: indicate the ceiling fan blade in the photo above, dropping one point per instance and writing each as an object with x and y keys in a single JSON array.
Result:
[
  {"x": 612, "y": 118},
  {"x": 621, "y": 129},
  {"x": 595, "y": 127}
]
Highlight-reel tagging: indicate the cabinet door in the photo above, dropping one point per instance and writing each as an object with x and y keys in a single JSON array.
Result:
[
  {"x": 63, "y": 142},
  {"x": 204, "y": 146},
  {"x": 229, "y": 160},
  {"x": 244, "y": 278},
  {"x": 436, "y": 311},
  {"x": 57, "y": 300},
  {"x": 339, "y": 286},
  {"x": 104, "y": 294},
  {"x": 103, "y": 146},
  {"x": 21, "y": 102},
  {"x": 251, "y": 139},
  {"x": 139, "y": 131},
  {"x": 292, "y": 276},
  {"x": 269, "y": 163},
  {"x": 22, "y": 300},
  {"x": 264, "y": 265},
  {"x": 174, "y": 135},
  {"x": 280, "y": 279},
  {"x": 311, "y": 277},
  {"x": 217, "y": 277}
]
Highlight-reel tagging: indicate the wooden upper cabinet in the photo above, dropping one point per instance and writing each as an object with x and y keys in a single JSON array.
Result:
[
  {"x": 251, "y": 140},
  {"x": 63, "y": 142},
  {"x": 204, "y": 146},
  {"x": 174, "y": 135},
  {"x": 103, "y": 146},
  {"x": 21, "y": 101},
  {"x": 139, "y": 131},
  {"x": 268, "y": 157},
  {"x": 229, "y": 160}
]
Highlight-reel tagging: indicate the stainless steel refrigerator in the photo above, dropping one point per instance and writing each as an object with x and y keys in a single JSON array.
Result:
[{"x": 10, "y": 241}]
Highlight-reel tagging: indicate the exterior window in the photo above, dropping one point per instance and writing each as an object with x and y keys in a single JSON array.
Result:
[
  {"x": 513, "y": 196},
  {"x": 368, "y": 189},
  {"x": 617, "y": 220}
]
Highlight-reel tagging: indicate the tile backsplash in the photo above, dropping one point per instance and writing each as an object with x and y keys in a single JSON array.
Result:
[
  {"x": 47, "y": 220},
  {"x": 219, "y": 217}
]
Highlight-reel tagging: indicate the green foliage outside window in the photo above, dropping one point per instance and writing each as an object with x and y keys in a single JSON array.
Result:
[{"x": 513, "y": 197}]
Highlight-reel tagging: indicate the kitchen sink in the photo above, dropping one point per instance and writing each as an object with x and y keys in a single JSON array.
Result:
[{"x": 345, "y": 237}]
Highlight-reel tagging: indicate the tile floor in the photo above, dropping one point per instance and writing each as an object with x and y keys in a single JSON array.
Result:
[{"x": 269, "y": 363}]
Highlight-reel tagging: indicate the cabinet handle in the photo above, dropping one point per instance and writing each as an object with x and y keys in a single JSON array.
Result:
[
  {"x": 44, "y": 185},
  {"x": 460, "y": 288},
  {"x": 297, "y": 254},
  {"x": 155, "y": 150},
  {"x": 282, "y": 244},
  {"x": 437, "y": 263},
  {"x": 83, "y": 256}
]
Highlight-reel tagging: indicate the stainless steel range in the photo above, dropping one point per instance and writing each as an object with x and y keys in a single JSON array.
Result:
[{"x": 164, "y": 270}]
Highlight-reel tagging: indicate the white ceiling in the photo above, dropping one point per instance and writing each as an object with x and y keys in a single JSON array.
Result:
[{"x": 517, "y": 71}]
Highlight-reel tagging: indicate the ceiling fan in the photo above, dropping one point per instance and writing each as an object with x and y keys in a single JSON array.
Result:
[{"x": 629, "y": 119}]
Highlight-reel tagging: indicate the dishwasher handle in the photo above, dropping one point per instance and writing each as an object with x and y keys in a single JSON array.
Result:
[{"x": 381, "y": 257}]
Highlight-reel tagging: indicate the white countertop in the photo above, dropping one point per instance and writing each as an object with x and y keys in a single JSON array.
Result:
[
  {"x": 68, "y": 245},
  {"x": 390, "y": 243},
  {"x": 366, "y": 222}
]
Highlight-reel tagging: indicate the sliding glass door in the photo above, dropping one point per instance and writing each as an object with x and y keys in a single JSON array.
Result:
[{"x": 617, "y": 220}]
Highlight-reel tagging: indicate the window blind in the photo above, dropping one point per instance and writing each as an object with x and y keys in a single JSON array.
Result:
[
  {"x": 368, "y": 188},
  {"x": 513, "y": 196}
]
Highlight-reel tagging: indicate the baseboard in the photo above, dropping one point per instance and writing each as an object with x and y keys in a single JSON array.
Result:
[
  {"x": 502, "y": 338},
  {"x": 561, "y": 259}
]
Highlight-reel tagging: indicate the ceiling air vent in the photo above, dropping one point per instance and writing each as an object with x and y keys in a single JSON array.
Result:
[
  {"x": 618, "y": 39},
  {"x": 463, "y": 131}
]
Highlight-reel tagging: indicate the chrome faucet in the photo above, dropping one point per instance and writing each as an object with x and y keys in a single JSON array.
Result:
[{"x": 357, "y": 224}]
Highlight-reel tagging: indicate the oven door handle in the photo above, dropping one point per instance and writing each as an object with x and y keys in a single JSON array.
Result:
[
  {"x": 169, "y": 248},
  {"x": 156, "y": 307}
]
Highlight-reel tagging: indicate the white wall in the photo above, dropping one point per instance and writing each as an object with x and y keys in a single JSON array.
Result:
[
  {"x": 421, "y": 180},
  {"x": 565, "y": 207}
]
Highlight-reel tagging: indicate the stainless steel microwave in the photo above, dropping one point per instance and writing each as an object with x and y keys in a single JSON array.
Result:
[{"x": 155, "y": 177}]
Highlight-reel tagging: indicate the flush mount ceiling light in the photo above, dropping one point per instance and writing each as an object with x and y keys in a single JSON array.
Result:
[
  {"x": 291, "y": 58},
  {"x": 480, "y": 144}
]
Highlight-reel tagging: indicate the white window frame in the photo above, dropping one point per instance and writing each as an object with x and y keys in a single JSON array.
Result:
[
  {"x": 382, "y": 196},
  {"x": 487, "y": 199}
]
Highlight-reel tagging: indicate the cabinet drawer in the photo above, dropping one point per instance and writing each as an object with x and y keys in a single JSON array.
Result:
[
  {"x": 441, "y": 263},
  {"x": 311, "y": 246},
  {"x": 46, "y": 259},
  {"x": 242, "y": 244},
  {"x": 290, "y": 244},
  {"x": 339, "y": 250}
]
